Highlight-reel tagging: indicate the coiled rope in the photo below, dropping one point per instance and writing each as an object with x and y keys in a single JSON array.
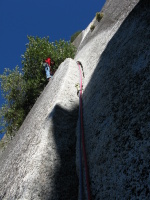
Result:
[{"x": 81, "y": 138}]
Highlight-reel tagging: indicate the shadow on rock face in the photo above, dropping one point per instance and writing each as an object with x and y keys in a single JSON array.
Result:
[{"x": 65, "y": 181}]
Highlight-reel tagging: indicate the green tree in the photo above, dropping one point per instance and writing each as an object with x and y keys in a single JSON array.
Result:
[
  {"x": 21, "y": 88},
  {"x": 38, "y": 49},
  {"x": 12, "y": 113}
]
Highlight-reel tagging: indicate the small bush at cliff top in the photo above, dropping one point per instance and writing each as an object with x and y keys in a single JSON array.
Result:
[
  {"x": 21, "y": 87},
  {"x": 74, "y": 36},
  {"x": 92, "y": 27},
  {"x": 99, "y": 16}
]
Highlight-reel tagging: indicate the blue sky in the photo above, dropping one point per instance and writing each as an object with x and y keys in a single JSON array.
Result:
[{"x": 57, "y": 19}]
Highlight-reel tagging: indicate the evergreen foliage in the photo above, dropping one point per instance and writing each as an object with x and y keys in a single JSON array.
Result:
[
  {"x": 74, "y": 36},
  {"x": 99, "y": 16},
  {"x": 92, "y": 27},
  {"x": 21, "y": 87},
  {"x": 12, "y": 112}
]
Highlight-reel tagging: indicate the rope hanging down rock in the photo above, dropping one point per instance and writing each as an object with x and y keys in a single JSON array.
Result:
[{"x": 81, "y": 138}]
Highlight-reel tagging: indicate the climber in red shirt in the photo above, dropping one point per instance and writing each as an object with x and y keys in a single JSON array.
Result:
[
  {"x": 47, "y": 64},
  {"x": 48, "y": 61}
]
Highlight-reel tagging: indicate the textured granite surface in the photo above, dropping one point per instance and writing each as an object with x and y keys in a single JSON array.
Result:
[
  {"x": 116, "y": 99},
  {"x": 40, "y": 163}
]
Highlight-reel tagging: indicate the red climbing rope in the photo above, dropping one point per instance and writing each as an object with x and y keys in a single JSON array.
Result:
[{"x": 82, "y": 135}]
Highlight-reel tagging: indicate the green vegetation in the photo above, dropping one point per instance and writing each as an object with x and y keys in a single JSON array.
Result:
[
  {"x": 21, "y": 87},
  {"x": 99, "y": 16},
  {"x": 2, "y": 144},
  {"x": 13, "y": 111},
  {"x": 92, "y": 27},
  {"x": 74, "y": 36}
]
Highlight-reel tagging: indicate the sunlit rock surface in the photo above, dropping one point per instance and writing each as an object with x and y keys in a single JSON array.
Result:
[{"x": 40, "y": 161}]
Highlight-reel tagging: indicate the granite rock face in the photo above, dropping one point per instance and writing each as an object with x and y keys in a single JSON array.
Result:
[
  {"x": 116, "y": 99},
  {"x": 42, "y": 161}
]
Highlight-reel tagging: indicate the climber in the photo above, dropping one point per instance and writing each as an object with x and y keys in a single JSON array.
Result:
[{"x": 47, "y": 65}]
